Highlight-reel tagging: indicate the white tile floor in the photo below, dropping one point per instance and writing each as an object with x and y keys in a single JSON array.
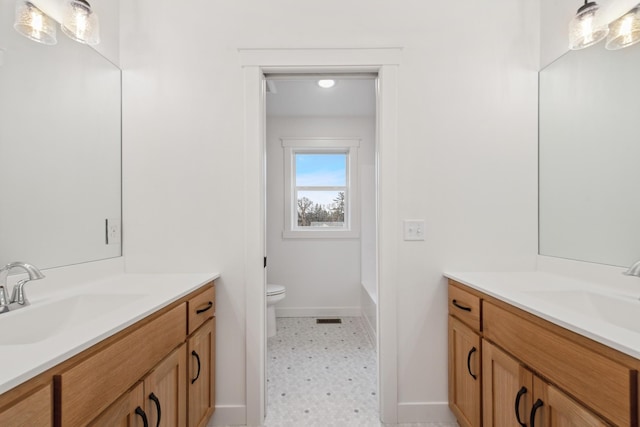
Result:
[{"x": 323, "y": 376}]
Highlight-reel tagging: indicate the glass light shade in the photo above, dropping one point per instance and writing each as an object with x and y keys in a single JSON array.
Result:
[
  {"x": 34, "y": 24},
  {"x": 625, "y": 31},
  {"x": 583, "y": 30},
  {"x": 80, "y": 23}
]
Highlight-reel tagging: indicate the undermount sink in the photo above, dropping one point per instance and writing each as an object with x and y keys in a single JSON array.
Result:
[
  {"x": 622, "y": 311},
  {"x": 39, "y": 322}
]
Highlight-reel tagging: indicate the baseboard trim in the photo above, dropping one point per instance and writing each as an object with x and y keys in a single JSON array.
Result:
[
  {"x": 371, "y": 329},
  {"x": 425, "y": 412},
  {"x": 318, "y": 312},
  {"x": 229, "y": 415}
]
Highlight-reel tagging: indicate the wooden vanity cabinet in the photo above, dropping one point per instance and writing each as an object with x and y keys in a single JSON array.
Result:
[
  {"x": 507, "y": 389},
  {"x": 510, "y": 392},
  {"x": 535, "y": 373},
  {"x": 201, "y": 378},
  {"x": 556, "y": 409},
  {"x": 127, "y": 411},
  {"x": 103, "y": 387},
  {"x": 161, "y": 369},
  {"x": 201, "y": 346},
  {"x": 465, "y": 367},
  {"x": 464, "y": 374},
  {"x": 165, "y": 391},
  {"x": 88, "y": 388},
  {"x": 32, "y": 409},
  {"x": 604, "y": 385},
  {"x": 160, "y": 398}
]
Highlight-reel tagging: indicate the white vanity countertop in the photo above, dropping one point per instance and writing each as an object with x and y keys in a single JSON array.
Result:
[
  {"x": 583, "y": 316},
  {"x": 136, "y": 296}
]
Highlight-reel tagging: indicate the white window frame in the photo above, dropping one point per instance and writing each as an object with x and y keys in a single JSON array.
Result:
[{"x": 348, "y": 146}]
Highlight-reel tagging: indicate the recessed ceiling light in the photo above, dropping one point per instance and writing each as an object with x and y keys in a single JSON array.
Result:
[{"x": 326, "y": 83}]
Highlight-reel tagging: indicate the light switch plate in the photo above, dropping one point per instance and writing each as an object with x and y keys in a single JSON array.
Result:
[{"x": 413, "y": 229}]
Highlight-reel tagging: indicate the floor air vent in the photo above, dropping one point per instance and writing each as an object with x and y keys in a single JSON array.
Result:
[{"x": 323, "y": 321}]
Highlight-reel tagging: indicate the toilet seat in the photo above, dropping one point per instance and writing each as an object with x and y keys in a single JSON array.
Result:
[{"x": 273, "y": 290}]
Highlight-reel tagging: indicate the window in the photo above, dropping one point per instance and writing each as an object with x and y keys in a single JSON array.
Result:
[{"x": 321, "y": 192}]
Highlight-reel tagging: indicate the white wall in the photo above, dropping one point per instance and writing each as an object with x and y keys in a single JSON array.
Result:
[
  {"x": 322, "y": 276},
  {"x": 467, "y": 151}
]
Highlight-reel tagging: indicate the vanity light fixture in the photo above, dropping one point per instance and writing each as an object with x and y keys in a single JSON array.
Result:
[
  {"x": 326, "y": 83},
  {"x": 80, "y": 23},
  {"x": 583, "y": 28},
  {"x": 624, "y": 31},
  {"x": 34, "y": 24}
]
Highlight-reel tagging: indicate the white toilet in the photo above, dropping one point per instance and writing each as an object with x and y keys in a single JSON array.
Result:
[{"x": 275, "y": 294}]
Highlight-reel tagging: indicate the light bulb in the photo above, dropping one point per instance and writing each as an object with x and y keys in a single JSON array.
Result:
[
  {"x": 34, "y": 24},
  {"x": 80, "y": 23},
  {"x": 583, "y": 30},
  {"x": 625, "y": 31}
]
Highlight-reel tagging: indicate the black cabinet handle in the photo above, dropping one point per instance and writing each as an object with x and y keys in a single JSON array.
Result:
[
  {"x": 536, "y": 406},
  {"x": 141, "y": 413},
  {"x": 522, "y": 392},
  {"x": 193, "y": 353},
  {"x": 461, "y": 307},
  {"x": 202, "y": 310},
  {"x": 158, "y": 407},
  {"x": 473, "y": 350}
]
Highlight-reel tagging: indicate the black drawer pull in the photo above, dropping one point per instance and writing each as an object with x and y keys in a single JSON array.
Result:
[
  {"x": 208, "y": 307},
  {"x": 461, "y": 307},
  {"x": 473, "y": 350},
  {"x": 522, "y": 392},
  {"x": 193, "y": 353},
  {"x": 536, "y": 406},
  {"x": 158, "y": 408},
  {"x": 142, "y": 415}
]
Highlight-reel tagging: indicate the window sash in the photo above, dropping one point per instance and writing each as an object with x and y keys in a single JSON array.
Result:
[{"x": 346, "y": 146}]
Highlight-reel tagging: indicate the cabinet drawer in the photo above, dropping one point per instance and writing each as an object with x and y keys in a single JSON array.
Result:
[
  {"x": 465, "y": 306},
  {"x": 201, "y": 308},
  {"x": 595, "y": 380},
  {"x": 88, "y": 388}
]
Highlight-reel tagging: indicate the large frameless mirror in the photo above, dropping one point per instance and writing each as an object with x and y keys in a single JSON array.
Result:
[
  {"x": 589, "y": 154},
  {"x": 60, "y": 146}
]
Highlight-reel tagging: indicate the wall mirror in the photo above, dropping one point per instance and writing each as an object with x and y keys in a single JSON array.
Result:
[
  {"x": 589, "y": 149},
  {"x": 60, "y": 150}
]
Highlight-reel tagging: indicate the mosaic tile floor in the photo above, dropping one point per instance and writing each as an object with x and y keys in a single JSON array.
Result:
[{"x": 323, "y": 376}]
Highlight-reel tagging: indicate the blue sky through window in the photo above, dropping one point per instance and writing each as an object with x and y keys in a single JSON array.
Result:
[{"x": 321, "y": 170}]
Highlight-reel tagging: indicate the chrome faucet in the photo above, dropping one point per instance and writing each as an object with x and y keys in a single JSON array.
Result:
[
  {"x": 18, "y": 296},
  {"x": 634, "y": 270}
]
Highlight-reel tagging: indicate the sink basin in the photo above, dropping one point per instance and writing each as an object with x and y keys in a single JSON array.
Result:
[
  {"x": 622, "y": 311},
  {"x": 39, "y": 322}
]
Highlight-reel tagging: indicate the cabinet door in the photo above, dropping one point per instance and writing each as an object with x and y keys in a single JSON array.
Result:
[
  {"x": 165, "y": 391},
  {"x": 128, "y": 411},
  {"x": 464, "y": 373},
  {"x": 507, "y": 389},
  {"x": 201, "y": 381},
  {"x": 553, "y": 408},
  {"x": 33, "y": 410}
]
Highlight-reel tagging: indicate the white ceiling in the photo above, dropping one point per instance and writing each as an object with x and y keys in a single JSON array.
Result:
[{"x": 304, "y": 98}]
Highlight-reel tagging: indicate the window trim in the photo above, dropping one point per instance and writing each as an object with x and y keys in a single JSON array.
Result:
[{"x": 350, "y": 146}]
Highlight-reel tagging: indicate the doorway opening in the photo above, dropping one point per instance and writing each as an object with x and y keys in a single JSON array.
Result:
[
  {"x": 255, "y": 63},
  {"x": 321, "y": 240}
]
